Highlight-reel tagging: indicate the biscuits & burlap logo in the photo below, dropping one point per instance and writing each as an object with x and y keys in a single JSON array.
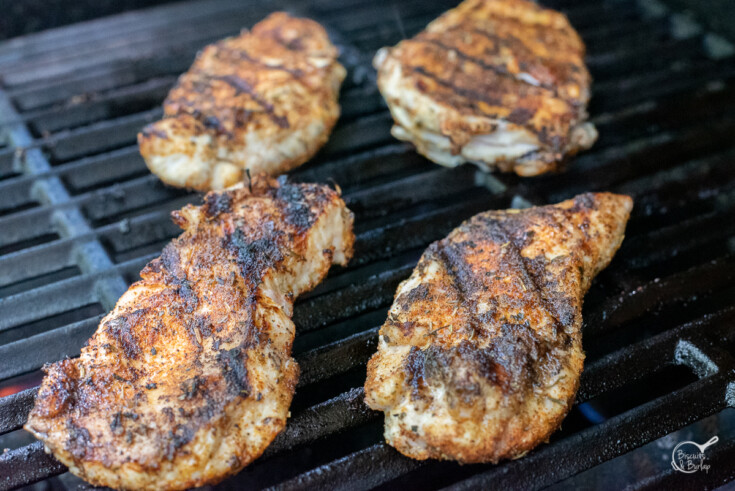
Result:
[{"x": 688, "y": 457}]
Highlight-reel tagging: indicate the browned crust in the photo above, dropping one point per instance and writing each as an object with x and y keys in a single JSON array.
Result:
[
  {"x": 175, "y": 359},
  {"x": 476, "y": 60},
  {"x": 270, "y": 81},
  {"x": 487, "y": 339}
]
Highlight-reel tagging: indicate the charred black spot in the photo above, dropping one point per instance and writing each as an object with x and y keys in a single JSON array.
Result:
[
  {"x": 187, "y": 295},
  {"x": 254, "y": 257},
  {"x": 414, "y": 367},
  {"x": 511, "y": 361},
  {"x": 420, "y": 293},
  {"x": 79, "y": 439},
  {"x": 121, "y": 329},
  {"x": 294, "y": 203},
  {"x": 180, "y": 436},
  {"x": 216, "y": 203},
  {"x": 213, "y": 122},
  {"x": 583, "y": 202},
  {"x": 150, "y": 131},
  {"x": 116, "y": 424},
  {"x": 170, "y": 260},
  {"x": 198, "y": 328},
  {"x": 527, "y": 238},
  {"x": 191, "y": 388},
  {"x": 154, "y": 266},
  {"x": 460, "y": 369},
  {"x": 234, "y": 371},
  {"x": 520, "y": 115},
  {"x": 517, "y": 350}
]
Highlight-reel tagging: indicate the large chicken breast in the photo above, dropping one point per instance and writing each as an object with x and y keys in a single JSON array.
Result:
[
  {"x": 498, "y": 83},
  {"x": 481, "y": 355},
  {"x": 190, "y": 377},
  {"x": 264, "y": 101}
]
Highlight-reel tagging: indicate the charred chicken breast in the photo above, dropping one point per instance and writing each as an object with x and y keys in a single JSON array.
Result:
[
  {"x": 190, "y": 377},
  {"x": 264, "y": 101},
  {"x": 498, "y": 83},
  {"x": 481, "y": 355}
]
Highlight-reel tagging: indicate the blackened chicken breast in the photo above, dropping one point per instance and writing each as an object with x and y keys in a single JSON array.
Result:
[
  {"x": 190, "y": 377},
  {"x": 481, "y": 355},
  {"x": 263, "y": 101},
  {"x": 498, "y": 83}
]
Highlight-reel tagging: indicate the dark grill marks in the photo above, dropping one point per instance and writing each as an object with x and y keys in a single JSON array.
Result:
[
  {"x": 234, "y": 371},
  {"x": 436, "y": 365},
  {"x": 242, "y": 86},
  {"x": 254, "y": 257},
  {"x": 526, "y": 59},
  {"x": 293, "y": 203},
  {"x": 499, "y": 70},
  {"x": 521, "y": 265},
  {"x": 514, "y": 348},
  {"x": 470, "y": 97},
  {"x": 241, "y": 54},
  {"x": 121, "y": 329},
  {"x": 450, "y": 255}
]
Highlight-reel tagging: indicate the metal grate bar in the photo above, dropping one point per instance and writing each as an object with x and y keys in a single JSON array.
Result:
[{"x": 27, "y": 465}]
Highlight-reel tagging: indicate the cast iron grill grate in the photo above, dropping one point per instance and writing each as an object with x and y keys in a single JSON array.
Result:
[{"x": 80, "y": 215}]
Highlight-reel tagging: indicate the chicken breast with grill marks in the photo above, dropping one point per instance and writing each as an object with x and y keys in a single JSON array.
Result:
[
  {"x": 481, "y": 355},
  {"x": 498, "y": 83},
  {"x": 263, "y": 101},
  {"x": 190, "y": 377}
]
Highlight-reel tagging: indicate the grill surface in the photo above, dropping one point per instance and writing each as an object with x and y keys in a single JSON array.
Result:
[{"x": 80, "y": 216}]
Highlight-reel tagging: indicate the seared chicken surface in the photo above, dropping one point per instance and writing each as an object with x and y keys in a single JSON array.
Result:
[
  {"x": 498, "y": 83},
  {"x": 190, "y": 377},
  {"x": 264, "y": 101},
  {"x": 481, "y": 354}
]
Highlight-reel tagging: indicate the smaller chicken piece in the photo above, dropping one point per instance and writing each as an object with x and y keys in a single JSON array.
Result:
[
  {"x": 498, "y": 83},
  {"x": 261, "y": 102}
]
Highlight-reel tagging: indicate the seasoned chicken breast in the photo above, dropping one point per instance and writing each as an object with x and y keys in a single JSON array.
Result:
[
  {"x": 498, "y": 83},
  {"x": 481, "y": 355},
  {"x": 190, "y": 377},
  {"x": 264, "y": 101}
]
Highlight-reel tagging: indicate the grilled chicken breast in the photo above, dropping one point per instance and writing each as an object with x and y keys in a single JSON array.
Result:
[
  {"x": 190, "y": 377},
  {"x": 481, "y": 355},
  {"x": 498, "y": 83},
  {"x": 264, "y": 101}
]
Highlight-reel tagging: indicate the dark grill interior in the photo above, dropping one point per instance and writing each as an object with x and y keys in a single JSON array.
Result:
[{"x": 80, "y": 216}]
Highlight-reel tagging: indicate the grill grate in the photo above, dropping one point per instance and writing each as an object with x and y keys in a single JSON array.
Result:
[{"x": 80, "y": 216}]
